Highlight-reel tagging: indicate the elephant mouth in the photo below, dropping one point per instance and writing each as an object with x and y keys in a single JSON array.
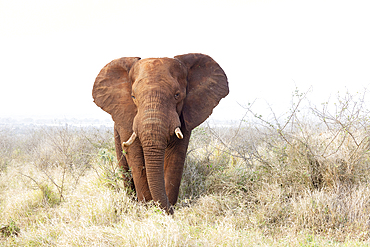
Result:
[{"x": 132, "y": 138}]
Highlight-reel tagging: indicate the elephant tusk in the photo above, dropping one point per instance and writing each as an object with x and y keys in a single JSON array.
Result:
[
  {"x": 178, "y": 133},
  {"x": 130, "y": 141}
]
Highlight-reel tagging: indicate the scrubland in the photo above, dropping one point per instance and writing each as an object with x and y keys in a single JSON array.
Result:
[{"x": 298, "y": 179}]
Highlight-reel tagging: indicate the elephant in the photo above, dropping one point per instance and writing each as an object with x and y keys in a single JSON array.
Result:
[{"x": 155, "y": 104}]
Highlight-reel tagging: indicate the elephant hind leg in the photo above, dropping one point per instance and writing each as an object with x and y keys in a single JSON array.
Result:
[{"x": 122, "y": 161}]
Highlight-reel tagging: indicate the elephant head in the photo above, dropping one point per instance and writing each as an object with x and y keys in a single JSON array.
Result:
[{"x": 159, "y": 101}]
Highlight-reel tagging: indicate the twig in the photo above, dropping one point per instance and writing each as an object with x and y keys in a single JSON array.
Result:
[{"x": 38, "y": 185}]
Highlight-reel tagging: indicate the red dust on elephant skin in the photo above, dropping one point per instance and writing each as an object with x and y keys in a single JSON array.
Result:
[{"x": 155, "y": 103}]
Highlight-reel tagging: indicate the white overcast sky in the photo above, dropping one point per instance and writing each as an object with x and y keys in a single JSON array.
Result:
[{"x": 51, "y": 51}]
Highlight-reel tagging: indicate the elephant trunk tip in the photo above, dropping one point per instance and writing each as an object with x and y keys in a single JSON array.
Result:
[
  {"x": 130, "y": 140},
  {"x": 179, "y": 133}
]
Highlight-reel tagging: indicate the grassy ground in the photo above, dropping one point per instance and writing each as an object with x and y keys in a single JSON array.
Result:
[{"x": 253, "y": 185}]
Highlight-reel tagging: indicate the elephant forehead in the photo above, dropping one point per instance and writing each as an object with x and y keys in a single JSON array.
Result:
[
  {"x": 160, "y": 66},
  {"x": 152, "y": 65},
  {"x": 154, "y": 85}
]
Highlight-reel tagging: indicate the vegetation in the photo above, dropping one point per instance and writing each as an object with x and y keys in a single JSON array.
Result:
[{"x": 300, "y": 179}]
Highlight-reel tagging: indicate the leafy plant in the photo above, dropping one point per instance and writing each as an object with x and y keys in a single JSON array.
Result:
[{"x": 10, "y": 229}]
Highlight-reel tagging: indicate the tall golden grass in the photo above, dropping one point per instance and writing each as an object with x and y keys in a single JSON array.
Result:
[{"x": 297, "y": 180}]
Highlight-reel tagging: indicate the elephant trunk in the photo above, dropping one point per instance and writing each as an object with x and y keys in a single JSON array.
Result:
[
  {"x": 153, "y": 132},
  {"x": 154, "y": 159}
]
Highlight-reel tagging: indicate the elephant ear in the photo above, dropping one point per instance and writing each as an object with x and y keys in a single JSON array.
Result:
[
  {"x": 207, "y": 85},
  {"x": 112, "y": 90}
]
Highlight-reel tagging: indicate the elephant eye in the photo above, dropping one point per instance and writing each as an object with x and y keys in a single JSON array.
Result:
[
  {"x": 133, "y": 97},
  {"x": 177, "y": 95}
]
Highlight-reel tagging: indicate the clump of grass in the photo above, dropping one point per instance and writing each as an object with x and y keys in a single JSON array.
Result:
[{"x": 10, "y": 229}]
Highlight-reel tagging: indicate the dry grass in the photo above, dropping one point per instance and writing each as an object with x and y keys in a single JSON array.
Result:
[{"x": 242, "y": 186}]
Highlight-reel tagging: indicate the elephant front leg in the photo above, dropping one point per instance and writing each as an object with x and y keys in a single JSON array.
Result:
[
  {"x": 122, "y": 162},
  {"x": 174, "y": 165},
  {"x": 132, "y": 162},
  {"x": 135, "y": 158}
]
